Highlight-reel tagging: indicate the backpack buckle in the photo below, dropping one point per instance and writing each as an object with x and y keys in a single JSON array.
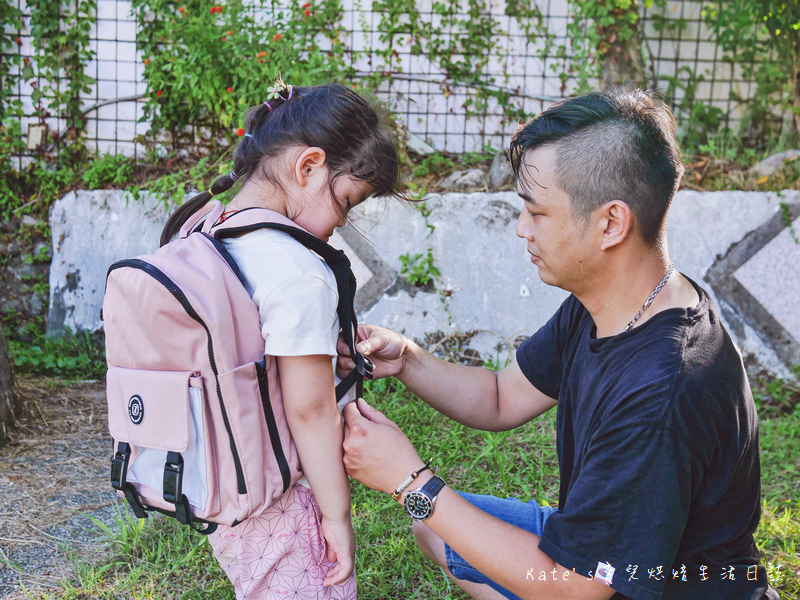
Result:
[
  {"x": 119, "y": 466},
  {"x": 364, "y": 366},
  {"x": 173, "y": 478}
]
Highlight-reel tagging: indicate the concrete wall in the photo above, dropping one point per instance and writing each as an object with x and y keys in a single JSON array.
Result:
[{"x": 489, "y": 295}]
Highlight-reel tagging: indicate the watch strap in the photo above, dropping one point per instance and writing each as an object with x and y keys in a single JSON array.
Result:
[{"x": 433, "y": 486}]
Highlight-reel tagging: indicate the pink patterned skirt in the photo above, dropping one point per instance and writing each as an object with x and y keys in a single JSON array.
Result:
[{"x": 280, "y": 554}]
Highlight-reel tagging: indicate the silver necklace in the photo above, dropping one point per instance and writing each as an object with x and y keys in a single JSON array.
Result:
[{"x": 652, "y": 297}]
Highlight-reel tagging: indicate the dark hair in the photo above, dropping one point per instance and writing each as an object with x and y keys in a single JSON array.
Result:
[
  {"x": 616, "y": 145},
  {"x": 330, "y": 116}
]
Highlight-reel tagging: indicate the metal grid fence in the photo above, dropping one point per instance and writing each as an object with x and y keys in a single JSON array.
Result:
[{"x": 418, "y": 92}]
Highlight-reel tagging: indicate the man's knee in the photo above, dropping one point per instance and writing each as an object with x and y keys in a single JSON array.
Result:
[{"x": 431, "y": 544}]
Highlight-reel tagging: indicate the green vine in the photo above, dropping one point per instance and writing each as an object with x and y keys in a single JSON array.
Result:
[
  {"x": 762, "y": 37},
  {"x": 60, "y": 36},
  {"x": 460, "y": 42},
  {"x": 205, "y": 65},
  {"x": 606, "y": 43},
  {"x": 10, "y": 107},
  {"x": 10, "y": 60}
]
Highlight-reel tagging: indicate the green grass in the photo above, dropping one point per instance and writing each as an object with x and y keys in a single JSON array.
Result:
[
  {"x": 73, "y": 356},
  {"x": 149, "y": 559},
  {"x": 158, "y": 558}
]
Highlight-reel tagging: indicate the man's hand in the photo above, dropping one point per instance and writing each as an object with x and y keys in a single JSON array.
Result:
[
  {"x": 376, "y": 452},
  {"x": 384, "y": 347}
]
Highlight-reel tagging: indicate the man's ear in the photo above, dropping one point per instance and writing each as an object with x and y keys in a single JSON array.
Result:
[
  {"x": 309, "y": 164},
  {"x": 616, "y": 222}
]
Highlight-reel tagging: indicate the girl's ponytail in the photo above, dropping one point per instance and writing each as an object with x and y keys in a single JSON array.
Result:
[{"x": 180, "y": 216}]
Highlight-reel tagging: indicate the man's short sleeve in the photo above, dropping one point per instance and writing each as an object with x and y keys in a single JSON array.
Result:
[
  {"x": 539, "y": 357},
  {"x": 627, "y": 506}
]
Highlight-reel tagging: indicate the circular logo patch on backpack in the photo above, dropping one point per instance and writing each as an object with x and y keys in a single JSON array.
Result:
[{"x": 136, "y": 409}]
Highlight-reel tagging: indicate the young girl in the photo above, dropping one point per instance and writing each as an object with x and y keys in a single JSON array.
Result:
[{"x": 311, "y": 154}]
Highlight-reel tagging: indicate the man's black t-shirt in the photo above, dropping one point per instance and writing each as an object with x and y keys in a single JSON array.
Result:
[{"x": 658, "y": 453}]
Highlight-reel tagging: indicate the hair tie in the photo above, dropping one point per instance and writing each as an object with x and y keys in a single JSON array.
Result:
[
  {"x": 210, "y": 192},
  {"x": 248, "y": 134},
  {"x": 289, "y": 97},
  {"x": 233, "y": 176},
  {"x": 267, "y": 104}
]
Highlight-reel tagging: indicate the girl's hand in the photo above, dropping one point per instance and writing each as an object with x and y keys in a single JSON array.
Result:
[
  {"x": 341, "y": 549},
  {"x": 384, "y": 347}
]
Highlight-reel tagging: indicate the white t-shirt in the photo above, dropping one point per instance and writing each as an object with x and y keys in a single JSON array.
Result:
[
  {"x": 294, "y": 289},
  {"x": 296, "y": 294}
]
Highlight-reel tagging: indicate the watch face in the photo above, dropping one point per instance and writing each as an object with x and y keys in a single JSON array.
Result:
[{"x": 418, "y": 505}]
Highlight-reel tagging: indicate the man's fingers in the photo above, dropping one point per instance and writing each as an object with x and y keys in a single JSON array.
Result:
[
  {"x": 351, "y": 414},
  {"x": 372, "y": 414}
]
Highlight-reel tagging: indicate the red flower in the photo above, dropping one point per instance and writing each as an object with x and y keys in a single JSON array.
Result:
[
  {"x": 182, "y": 9},
  {"x": 158, "y": 93},
  {"x": 213, "y": 9},
  {"x": 224, "y": 38},
  {"x": 230, "y": 89},
  {"x": 147, "y": 61},
  {"x": 277, "y": 37},
  {"x": 260, "y": 54},
  {"x": 18, "y": 40},
  {"x": 307, "y": 5},
  {"x": 231, "y": 33},
  {"x": 240, "y": 132},
  {"x": 308, "y": 13}
]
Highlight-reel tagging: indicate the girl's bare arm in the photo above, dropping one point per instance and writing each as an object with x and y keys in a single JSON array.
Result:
[{"x": 309, "y": 400}]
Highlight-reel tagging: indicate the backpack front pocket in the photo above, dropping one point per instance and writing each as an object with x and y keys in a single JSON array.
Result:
[{"x": 161, "y": 412}]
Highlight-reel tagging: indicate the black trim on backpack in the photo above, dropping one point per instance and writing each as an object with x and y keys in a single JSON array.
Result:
[
  {"x": 272, "y": 427},
  {"x": 228, "y": 258},
  {"x": 162, "y": 278},
  {"x": 346, "y": 285}
]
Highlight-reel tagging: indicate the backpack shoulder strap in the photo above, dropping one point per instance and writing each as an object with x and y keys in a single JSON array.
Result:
[{"x": 254, "y": 219}]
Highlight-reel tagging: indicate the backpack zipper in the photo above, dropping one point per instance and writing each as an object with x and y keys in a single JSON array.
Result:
[
  {"x": 164, "y": 280},
  {"x": 274, "y": 436}
]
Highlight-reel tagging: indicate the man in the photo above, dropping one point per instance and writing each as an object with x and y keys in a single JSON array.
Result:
[{"x": 657, "y": 435}]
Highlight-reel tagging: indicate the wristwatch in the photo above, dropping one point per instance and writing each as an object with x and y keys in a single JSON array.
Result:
[{"x": 419, "y": 503}]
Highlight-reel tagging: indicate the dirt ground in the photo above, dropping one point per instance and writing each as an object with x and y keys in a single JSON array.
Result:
[{"x": 52, "y": 475}]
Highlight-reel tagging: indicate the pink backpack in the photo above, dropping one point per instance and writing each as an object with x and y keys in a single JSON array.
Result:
[{"x": 194, "y": 405}]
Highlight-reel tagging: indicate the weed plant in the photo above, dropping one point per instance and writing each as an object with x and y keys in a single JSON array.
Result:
[{"x": 74, "y": 356}]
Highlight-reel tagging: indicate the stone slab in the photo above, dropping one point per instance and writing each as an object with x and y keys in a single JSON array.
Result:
[
  {"x": 488, "y": 285},
  {"x": 706, "y": 230},
  {"x": 772, "y": 276},
  {"x": 489, "y": 295},
  {"x": 91, "y": 230}
]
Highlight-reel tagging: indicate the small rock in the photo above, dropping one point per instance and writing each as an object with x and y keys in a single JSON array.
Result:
[
  {"x": 29, "y": 220},
  {"x": 22, "y": 334},
  {"x": 12, "y": 249},
  {"x": 11, "y": 306},
  {"x": 37, "y": 307},
  {"x": 501, "y": 174},
  {"x": 461, "y": 180},
  {"x": 417, "y": 145},
  {"x": 25, "y": 272},
  {"x": 43, "y": 251},
  {"x": 774, "y": 163}
]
